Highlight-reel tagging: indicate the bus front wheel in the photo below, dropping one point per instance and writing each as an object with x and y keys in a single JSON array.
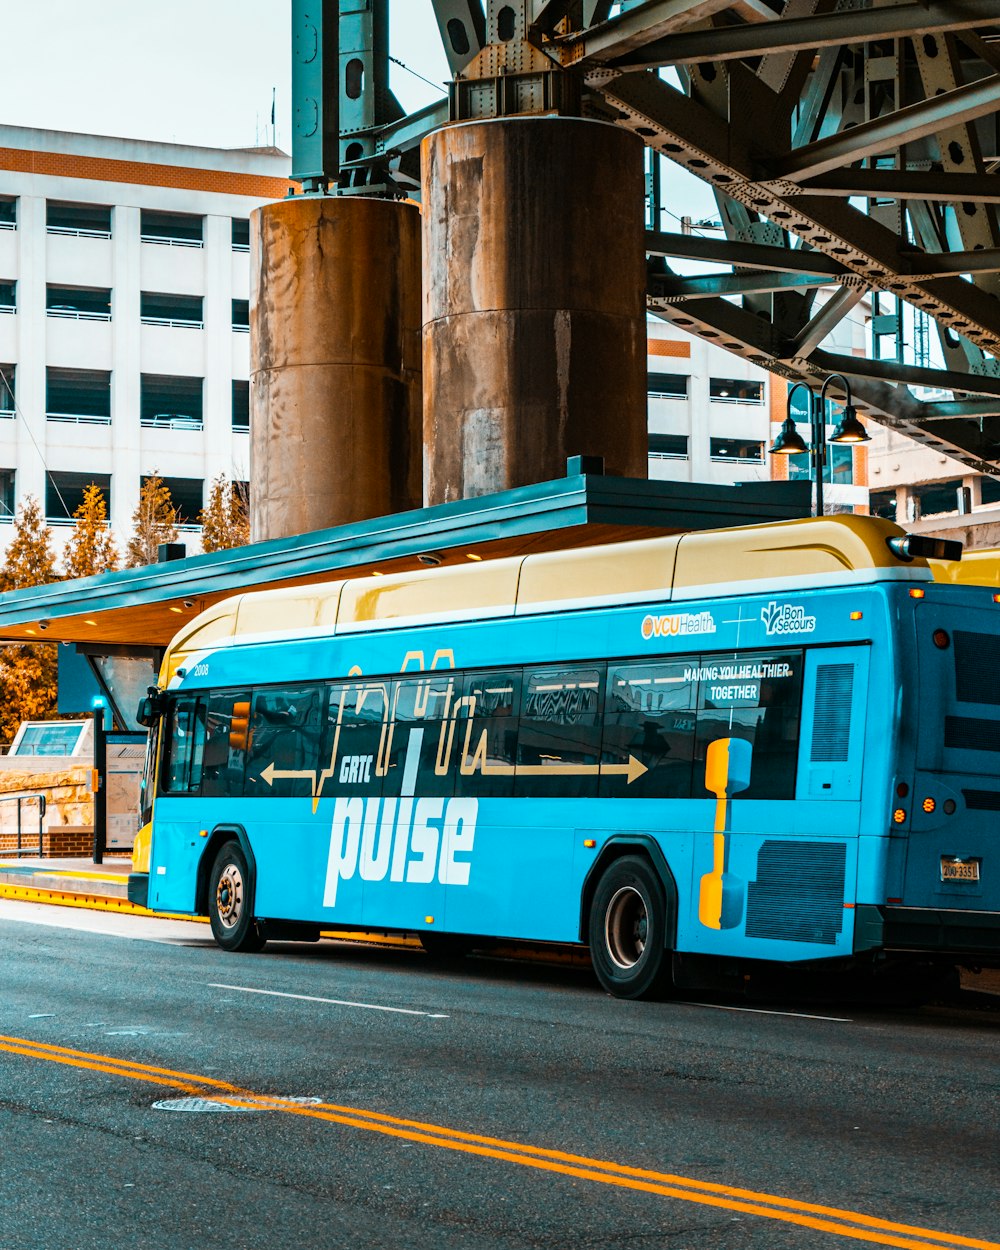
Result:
[
  {"x": 628, "y": 930},
  {"x": 230, "y": 894}
]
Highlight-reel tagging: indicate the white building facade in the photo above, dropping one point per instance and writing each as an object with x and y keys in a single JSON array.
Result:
[
  {"x": 713, "y": 416},
  {"x": 124, "y": 299}
]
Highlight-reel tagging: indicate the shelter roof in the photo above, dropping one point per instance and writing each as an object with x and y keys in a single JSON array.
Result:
[{"x": 145, "y": 607}]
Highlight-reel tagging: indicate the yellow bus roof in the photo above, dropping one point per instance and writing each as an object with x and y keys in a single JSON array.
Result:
[{"x": 796, "y": 554}]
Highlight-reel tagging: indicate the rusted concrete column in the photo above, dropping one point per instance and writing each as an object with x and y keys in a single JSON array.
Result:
[
  {"x": 335, "y": 363},
  {"x": 534, "y": 342}
]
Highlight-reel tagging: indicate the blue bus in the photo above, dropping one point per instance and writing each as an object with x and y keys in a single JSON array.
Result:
[{"x": 698, "y": 755}]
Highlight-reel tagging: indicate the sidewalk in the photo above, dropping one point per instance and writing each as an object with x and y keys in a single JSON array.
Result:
[{"x": 69, "y": 882}]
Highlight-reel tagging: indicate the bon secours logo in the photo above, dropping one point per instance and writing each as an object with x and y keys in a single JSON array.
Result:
[
  {"x": 680, "y": 623},
  {"x": 786, "y": 618}
]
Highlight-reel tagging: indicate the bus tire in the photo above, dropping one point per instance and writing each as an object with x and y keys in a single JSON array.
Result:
[
  {"x": 230, "y": 901},
  {"x": 627, "y": 930}
]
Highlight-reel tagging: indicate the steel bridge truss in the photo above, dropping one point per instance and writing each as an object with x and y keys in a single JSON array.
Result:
[{"x": 852, "y": 149}]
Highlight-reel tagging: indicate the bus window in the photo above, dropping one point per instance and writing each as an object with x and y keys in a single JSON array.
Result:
[
  {"x": 227, "y": 732},
  {"x": 650, "y": 715},
  {"x": 423, "y": 757},
  {"x": 364, "y": 739},
  {"x": 559, "y": 740},
  {"x": 286, "y": 731},
  {"x": 184, "y": 746},
  {"x": 757, "y": 697},
  {"x": 486, "y": 734}
]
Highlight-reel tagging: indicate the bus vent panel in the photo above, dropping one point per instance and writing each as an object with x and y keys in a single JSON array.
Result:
[
  {"x": 832, "y": 718},
  {"x": 799, "y": 892}
]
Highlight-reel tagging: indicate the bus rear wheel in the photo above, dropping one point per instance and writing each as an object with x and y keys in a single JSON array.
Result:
[
  {"x": 230, "y": 894},
  {"x": 627, "y": 930}
]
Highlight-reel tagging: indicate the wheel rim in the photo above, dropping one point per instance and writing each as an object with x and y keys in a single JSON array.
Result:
[
  {"x": 626, "y": 926},
  {"x": 229, "y": 896}
]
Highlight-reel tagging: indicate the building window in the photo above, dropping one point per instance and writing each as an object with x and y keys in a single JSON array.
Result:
[
  {"x": 7, "y": 479},
  {"x": 241, "y": 234},
  {"x": 735, "y": 391},
  {"x": 171, "y": 403},
  {"x": 937, "y": 497},
  {"x": 8, "y": 408},
  {"x": 172, "y": 229},
  {"x": 89, "y": 221},
  {"x": 989, "y": 488},
  {"x": 8, "y": 297},
  {"x": 746, "y": 451},
  {"x": 883, "y": 503},
  {"x": 64, "y": 493},
  {"x": 668, "y": 446},
  {"x": 241, "y": 406},
  {"x": 241, "y": 315},
  {"x": 78, "y": 396},
  {"x": 78, "y": 303},
  {"x": 171, "y": 310},
  {"x": 838, "y": 470},
  {"x": 8, "y": 212},
  {"x": 666, "y": 385},
  {"x": 187, "y": 494}
]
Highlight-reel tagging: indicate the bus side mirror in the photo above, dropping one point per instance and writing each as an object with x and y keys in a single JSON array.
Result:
[{"x": 150, "y": 708}]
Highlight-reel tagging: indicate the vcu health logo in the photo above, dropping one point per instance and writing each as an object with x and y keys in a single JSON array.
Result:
[
  {"x": 680, "y": 623},
  {"x": 786, "y": 618}
]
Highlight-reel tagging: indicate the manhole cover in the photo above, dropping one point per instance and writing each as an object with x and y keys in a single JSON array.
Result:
[{"x": 245, "y": 1105}]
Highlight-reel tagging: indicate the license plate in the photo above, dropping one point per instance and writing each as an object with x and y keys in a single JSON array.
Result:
[{"x": 959, "y": 869}]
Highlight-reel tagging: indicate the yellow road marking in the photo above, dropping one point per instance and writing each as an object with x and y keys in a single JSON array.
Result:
[{"x": 854, "y": 1225}]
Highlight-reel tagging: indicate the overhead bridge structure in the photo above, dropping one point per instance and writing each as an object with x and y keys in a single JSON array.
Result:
[{"x": 851, "y": 146}]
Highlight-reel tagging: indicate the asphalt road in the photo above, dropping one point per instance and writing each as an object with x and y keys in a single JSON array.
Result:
[{"x": 497, "y": 1105}]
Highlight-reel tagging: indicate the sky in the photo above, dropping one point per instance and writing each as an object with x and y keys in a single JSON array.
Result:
[{"x": 191, "y": 71}]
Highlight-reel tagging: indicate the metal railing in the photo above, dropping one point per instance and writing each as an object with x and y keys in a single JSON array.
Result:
[
  {"x": 75, "y": 233},
  {"x": 239, "y": 328},
  {"x": 172, "y": 423},
  {"x": 8, "y": 225},
  {"x": 178, "y": 323},
  {"x": 77, "y": 314},
  {"x": 39, "y": 799},
  {"x": 241, "y": 247},
  {"x": 77, "y": 418},
  {"x": 8, "y": 308},
  {"x": 166, "y": 241}
]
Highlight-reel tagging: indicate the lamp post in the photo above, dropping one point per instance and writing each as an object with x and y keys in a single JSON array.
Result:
[{"x": 790, "y": 442}]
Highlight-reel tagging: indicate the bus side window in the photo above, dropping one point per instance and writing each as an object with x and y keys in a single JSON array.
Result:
[
  {"x": 227, "y": 733},
  {"x": 364, "y": 742},
  {"x": 756, "y": 696},
  {"x": 286, "y": 730},
  {"x": 423, "y": 758},
  {"x": 485, "y": 749},
  {"x": 560, "y": 732},
  {"x": 184, "y": 746},
  {"x": 650, "y": 717}
]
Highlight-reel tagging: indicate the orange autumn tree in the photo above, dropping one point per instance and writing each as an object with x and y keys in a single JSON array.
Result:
[
  {"x": 153, "y": 522},
  {"x": 225, "y": 519},
  {"x": 91, "y": 547},
  {"x": 28, "y": 671}
]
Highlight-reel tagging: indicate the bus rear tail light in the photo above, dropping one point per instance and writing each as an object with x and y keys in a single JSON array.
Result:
[
  {"x": 928, "y": 805},
  {"x": 917, "y": 592},
  {"x": 898, "y": 816},
  {"x": 856, "y": 616},
  {"x": 996, "y": 598},
  {"x": 941, "y": 639}
]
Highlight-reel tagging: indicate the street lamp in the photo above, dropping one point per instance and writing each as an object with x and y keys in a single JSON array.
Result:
[{"x": 849, "y": 430}]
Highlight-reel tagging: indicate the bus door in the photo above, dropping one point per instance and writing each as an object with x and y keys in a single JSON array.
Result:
[{"x": 953, "y": 857}]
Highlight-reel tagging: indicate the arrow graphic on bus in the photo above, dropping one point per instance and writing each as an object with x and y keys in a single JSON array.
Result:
[
  {"x": 270, "y": 773},
  {"x": 633, "y": 769},
  {"x": 630, "y": 771}
]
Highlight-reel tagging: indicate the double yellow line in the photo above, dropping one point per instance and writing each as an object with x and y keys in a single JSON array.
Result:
[{"x": 851, "y": 1224}]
